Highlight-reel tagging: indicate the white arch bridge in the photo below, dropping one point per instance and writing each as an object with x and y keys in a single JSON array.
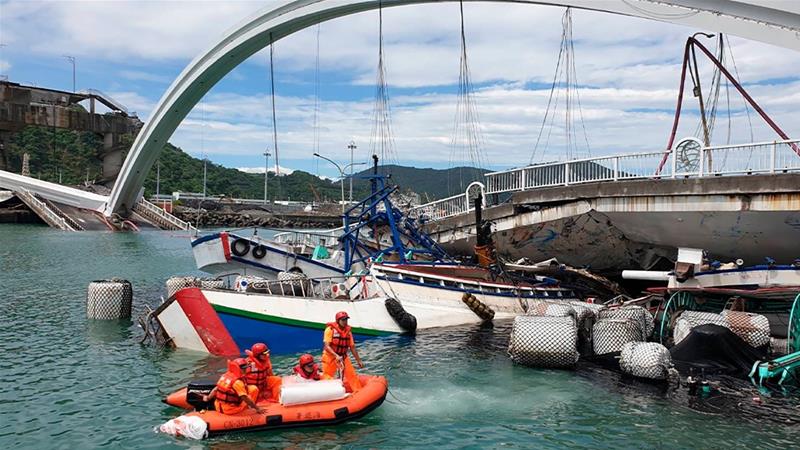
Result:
[{"x": 778, "y": 24}]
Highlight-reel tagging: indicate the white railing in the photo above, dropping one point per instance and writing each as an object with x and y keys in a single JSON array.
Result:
[
  {"x": 325, "y": 238},
  {"x": 760, "y": 157},
  {"x": 450, "y": 206},
  {"x": 745, "y": 159},
  {"x": 49, "y": 216},
  {"x": 150, "y": 208}
]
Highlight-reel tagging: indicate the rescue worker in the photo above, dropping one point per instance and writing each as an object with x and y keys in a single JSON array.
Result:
[
  {"x": 308, "y": 369},
  {"x": 336, "y": 341},
  {"x": 232, "y": 394},
  {"x": 259, "y": 373}
]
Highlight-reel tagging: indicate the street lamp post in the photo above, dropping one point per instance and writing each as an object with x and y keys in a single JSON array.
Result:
[
  {"x": 72, "y": 60},
  {"x": 266, "y": 173},
  {"x": 351, "y": 146},
  {"x": 341, "y": 172}
]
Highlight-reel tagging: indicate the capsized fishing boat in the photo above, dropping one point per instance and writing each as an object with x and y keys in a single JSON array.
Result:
[{"x": 314, "y": 403}]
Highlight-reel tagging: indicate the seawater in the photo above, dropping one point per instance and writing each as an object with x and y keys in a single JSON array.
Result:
[{"x": 68, "y": 382}]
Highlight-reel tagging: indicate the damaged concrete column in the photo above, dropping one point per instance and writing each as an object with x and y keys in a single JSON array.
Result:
[{"x": 112, "y": 157}]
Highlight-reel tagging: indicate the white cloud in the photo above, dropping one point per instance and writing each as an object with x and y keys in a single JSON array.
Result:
[
  {"x": 630, "y": 69},
  {"x": 273, "y": 169}
]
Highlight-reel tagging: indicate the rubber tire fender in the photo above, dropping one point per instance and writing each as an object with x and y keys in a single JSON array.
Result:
[
  {"x": 259, "y": 251},
  {"x": 403, "y": 318},
  {"x": 240, "y": 251}
]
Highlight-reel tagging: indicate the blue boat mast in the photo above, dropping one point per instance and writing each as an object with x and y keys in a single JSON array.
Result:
[{"x": 368, "y": 215}]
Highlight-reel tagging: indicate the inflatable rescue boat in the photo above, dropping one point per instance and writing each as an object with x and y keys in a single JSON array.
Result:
[{"x": 298, "y": 406}]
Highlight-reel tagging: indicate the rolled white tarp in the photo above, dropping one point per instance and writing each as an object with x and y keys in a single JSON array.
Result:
[
  {"x": 645, "y": 275},
  {"x": 300, "y": 393}
]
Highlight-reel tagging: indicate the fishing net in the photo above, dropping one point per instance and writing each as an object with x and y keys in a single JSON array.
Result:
[
  {"x": 609, "y": 335},
  {"x": 544, "y": 341},
  {"x": 645, "y": 360},
  {"x": 639, "y": 314}
]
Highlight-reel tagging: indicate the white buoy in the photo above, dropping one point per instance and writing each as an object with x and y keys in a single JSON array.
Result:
[
  {"x": 109, "y": 299},
  {"x": 544, "y": 341},
  {"x": 645, "y": 360}
]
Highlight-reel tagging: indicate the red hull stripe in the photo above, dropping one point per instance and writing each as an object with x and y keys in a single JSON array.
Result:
[
  {"x": 226, "y": 248},
  {"x": 206, "y": 322}
]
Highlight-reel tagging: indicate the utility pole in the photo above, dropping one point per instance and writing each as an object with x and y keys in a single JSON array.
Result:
[
  {"x": 205, "y": 163},
  {"x": 266, "y": 173},
  {"x": 158, "y": 179},
  {"x": 351, "y": 146},
  {"x": 71, "y": 59}
]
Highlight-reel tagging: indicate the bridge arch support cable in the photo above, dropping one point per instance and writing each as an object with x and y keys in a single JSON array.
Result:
[{"x": 767, "y": 24}]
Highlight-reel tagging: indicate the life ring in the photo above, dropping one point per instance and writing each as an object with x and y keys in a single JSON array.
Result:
[
  {"x": 240, "y": 247},
  {"x": 259, "y": 251}
]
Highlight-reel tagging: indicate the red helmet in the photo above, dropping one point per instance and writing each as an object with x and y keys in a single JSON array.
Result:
[
  {"x": 341, "y": 315},
  {"x": 258, "y": 348},
  {"x": 305, "y": 359}
]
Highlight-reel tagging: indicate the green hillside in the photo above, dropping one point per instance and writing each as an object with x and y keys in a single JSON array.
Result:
[
  {"x": 182, "y": 172},
  {"x": 74, "y": 157},
  {"x": 431, "y": 184}
]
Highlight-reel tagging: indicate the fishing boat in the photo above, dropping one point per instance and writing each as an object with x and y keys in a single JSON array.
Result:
[
  {"x": 373, "y": 229},
  {"x": 697, "y": 284}
]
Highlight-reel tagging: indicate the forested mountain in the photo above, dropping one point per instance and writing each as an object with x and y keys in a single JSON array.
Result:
[{"x": 74, "y": 157}]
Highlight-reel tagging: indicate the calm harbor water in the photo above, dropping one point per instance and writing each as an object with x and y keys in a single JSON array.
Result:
[{"x": 71, "y": 383}]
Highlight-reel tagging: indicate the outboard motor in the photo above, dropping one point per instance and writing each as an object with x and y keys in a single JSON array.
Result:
[{"x": 195, "y": 392}]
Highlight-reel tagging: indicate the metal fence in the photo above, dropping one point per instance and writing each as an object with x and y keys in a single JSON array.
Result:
[{"x": 745, "y": 159}]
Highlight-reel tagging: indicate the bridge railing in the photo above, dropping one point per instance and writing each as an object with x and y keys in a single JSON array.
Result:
[
  {"x": 154, "y": 210},
  {"x": 744, "y": 159},
  {"x": 450, "y": 206},
  {"x": 759, "y": 157}
]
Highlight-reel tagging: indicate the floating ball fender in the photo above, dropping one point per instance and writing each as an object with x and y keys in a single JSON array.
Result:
[
  {"x": 609, "y": 335},
  {"x": 240, "y": 247},
  {"x": 639, "y": 314},
  {"x": 544, "y": 341},
  {"x": 209, "y": 283},
  {"x": 645, "y": 360},
  {"x": 479, "y": 308},
  {"x": 175, "y": 284},
  {"x": 403, "y": 318},
  {"x": 259, "y": 251},
  {"x": 109, "y": 299}
]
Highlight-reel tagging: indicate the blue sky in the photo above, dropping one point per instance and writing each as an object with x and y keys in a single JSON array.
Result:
[{"x": 628, "y": 71}]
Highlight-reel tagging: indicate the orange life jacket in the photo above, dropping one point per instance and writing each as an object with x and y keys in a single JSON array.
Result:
[
  {"x": 314, "y": 375},
  {"x": 257, "y": 373},
  {"x": 225, "y": 392},
  {"x": 340, "y": 341}
]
